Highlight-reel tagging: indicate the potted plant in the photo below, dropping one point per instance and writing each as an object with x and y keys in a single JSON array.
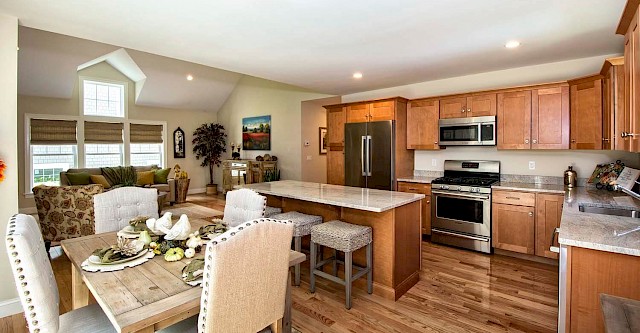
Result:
[{"x": 209, "y": 142}]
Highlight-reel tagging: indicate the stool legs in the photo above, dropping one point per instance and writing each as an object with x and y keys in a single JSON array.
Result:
[
  {"x": 348, "y": 269},
  {"x": 335, "y": 262},
  {"x": 370, "y": 268},
  {"x": 297, "y": 245},
  {"x": 312, "y": 276}
]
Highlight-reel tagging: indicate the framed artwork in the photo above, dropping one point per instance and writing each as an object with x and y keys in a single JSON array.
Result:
[
  {"x": 256, "y": 133},
  {"x": 178, "y": 143},
  {"x": 323, "y": 140}
]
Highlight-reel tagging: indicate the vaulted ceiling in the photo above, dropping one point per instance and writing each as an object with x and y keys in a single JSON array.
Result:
[{"x": 320, "y": 44}]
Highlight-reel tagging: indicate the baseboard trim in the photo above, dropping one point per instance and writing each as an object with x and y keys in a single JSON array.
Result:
[
  {"x": 10, "y": 307},
  {"x": 197, "y": 190},
  {"x": 28, "y": 210}
]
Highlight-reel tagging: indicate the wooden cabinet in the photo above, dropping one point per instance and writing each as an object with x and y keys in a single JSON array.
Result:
[
  {"x": 335, "y": 167},
  {"x": 548, "y": 215},
  {"x": 477, "y": 105},
  {"x": 453, "y": 107},
  {"x": 550, "y": 123},
  {"x": 629, "y": 28},
  {"x": 358, "y": 113},
  {"x": 336, "y": 118},
  {"x": 615, "y": 120},
  {"x": 586, "y": 112},
  {"x": 514, "y": 120},
  {"x": 371, "y": 111},
  {"x": 422, "y": 124},
  {"x": 425, "y": 204},
  {"x": 513, "y": 228}
]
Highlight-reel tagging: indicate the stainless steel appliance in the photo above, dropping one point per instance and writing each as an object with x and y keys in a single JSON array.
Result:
[
  {"x": 370, "y": 154},
  {"x": 462, "y": 204},
  {"x": 471, "y": 131}
]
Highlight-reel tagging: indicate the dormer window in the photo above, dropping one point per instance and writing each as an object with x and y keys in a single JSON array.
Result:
[{"x": 103, "y": 99}]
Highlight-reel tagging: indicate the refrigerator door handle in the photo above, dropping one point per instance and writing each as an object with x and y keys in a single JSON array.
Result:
[
  {"x": 368, "y": 155},
  {"x": 362, "y": 155}
]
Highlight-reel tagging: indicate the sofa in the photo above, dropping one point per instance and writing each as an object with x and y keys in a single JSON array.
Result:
[{"x": 170, "y": 187}]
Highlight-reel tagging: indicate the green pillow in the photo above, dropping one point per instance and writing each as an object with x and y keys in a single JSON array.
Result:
[
  {"x": 79, "y": 178},
  {"x": 161, "y": 175}
]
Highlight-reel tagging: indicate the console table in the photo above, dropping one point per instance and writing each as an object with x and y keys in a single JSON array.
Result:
[{"x": 240, "y": 172}]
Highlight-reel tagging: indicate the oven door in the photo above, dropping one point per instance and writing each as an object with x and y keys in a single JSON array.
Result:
[{"x": 462, "y": 212}]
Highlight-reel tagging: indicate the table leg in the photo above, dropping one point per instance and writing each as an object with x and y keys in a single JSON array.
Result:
[
  {"x": 286, "y": 319},
  {"x": 79, "y": 291}
]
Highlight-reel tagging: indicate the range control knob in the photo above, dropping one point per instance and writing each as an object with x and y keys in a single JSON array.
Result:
[
  {"x": 445, "y": 187},
  {"x": 474, "y": 190},
  {"x": 459, "y": 188}
]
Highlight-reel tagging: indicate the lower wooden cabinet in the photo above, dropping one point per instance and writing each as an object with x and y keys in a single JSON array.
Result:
[
  {"x": 513, "y": 228},
  {"x": 548, "y": 215},
  {"x": 335, "y": 166},
  {"x": 426, "y": 202}
]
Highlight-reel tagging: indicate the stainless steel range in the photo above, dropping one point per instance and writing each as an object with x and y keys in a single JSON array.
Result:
[{"x": 462, "y": 204}]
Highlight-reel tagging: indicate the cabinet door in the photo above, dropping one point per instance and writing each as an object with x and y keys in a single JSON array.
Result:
[
  {"x": 607, "y": 110},
  {"x": 358, "y": 113},
  {"x": 634, "y": 112},
  {"x": 550, "y": 118},
  {"x": 548, "y": 215},
  {"x": 513, "y": 228},
  {"x": 481, "y": 105},
  {"x": 619, "y": 117},
  {"x": 425, "y": 203},
  {"x": 586, "y": 115},
  {"x": 335, "y": 167},
  {"x": 382, "y": 111},
  {"x": 629, "y": 86},
  {"x": 336, "y": 117},
  {"x": 422, "y": 125},
  {"x": 514, "y": 120},
  {"x": 455, "y": 107}
]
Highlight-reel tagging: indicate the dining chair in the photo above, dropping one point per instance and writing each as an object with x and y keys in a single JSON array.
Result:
[
  {"x": 115, "y": 208},
  {"x": 243, "y": 205},
  {"x": 37, "y": 286}
]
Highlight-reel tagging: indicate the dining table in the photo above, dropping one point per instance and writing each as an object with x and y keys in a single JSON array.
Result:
[{"x": 147, "y": 297}]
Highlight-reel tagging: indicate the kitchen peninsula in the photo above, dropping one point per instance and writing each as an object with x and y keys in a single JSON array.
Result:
[{"x": 393, "y": 216}]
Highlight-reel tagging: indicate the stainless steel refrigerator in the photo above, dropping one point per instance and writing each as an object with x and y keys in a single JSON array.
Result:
[{"x": 370, "y": 154}]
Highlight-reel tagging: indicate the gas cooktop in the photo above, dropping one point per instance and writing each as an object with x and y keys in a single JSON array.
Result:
[{"x": 469, "y": 181}]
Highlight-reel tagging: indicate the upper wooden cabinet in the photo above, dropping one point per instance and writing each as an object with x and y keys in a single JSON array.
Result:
[
  {"x": 372, "y": 111},
  {"x": 358, "y": 113},
  {"x": 476, "y": 105},
  {"x": 586, "y": 112},
  {"x": 514, "y": 120},
  {"x": 422, "y": 124},
  {"x": 336, "y": 118},
  {"x": 550, "y": 118},
  {"x": 629, "y": 28},
  {"x": 615, "y": 118},
  {"x": 384, "y": 110}
]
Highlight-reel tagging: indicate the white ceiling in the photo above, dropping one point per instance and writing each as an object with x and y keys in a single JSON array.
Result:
[{"x": 319, "y": 44}]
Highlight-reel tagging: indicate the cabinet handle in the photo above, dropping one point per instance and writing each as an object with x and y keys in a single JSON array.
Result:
[
  {"x": 573, "y": 140},
  {"x": 526, "y": 141},
  {"x": 514, "y": 198},
  {"x": 428, "y": 201},
  {"x": 535, "y": 141},
  {"x": 435, "y": 143},
  {"x": 605, "y": 139},
  {"x": 468, "y": 110},
  {"x": 462, "y": 110},
  {"x": 530, "y": 213}
]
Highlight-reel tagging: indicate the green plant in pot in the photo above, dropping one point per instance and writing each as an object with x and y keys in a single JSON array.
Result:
[{"x": 209, "y": 142}]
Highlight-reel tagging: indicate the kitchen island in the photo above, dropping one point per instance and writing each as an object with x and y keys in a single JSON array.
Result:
[{"x": 393, "y": 216}]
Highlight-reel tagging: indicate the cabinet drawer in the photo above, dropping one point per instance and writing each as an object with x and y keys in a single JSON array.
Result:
[
  {"x": 514, "y": 198},
  {"x": 414, "y": 188}
]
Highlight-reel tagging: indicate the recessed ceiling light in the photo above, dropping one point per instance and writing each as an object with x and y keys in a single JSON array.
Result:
[
  {"x": 357, "y": 75},
  {"x": 190, "y": 77},
  {"x": 512, "y": 44}
]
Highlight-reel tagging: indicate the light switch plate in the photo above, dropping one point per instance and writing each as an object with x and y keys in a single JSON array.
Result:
[
  {"x": 308, "y": 157},
  {"x": 434, "y": 162},
  {"x": 532, "y": 165}
]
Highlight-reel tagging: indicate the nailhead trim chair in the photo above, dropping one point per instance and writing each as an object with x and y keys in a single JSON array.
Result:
[
  {"x": 114, "y": 209},
  {"x": 243, "y": 205},
  {"x": 345, "y": 237},
  {"x": 303, "y": 224}
]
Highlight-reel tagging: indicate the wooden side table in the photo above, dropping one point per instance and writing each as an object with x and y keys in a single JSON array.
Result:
[{"x": 182, "y": 187}]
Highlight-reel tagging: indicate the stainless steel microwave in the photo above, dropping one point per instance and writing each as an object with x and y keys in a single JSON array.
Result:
[{"x": 471, "y": 131}]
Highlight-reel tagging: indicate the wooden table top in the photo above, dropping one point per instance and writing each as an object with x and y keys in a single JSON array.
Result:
[{"x": 135, "y": 297}]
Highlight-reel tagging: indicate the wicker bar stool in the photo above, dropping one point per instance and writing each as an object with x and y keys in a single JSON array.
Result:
[
  {"x": 270, "y": 211},
  {"x": 345, "y": 237},
  {"x": 302, "y": 227}
]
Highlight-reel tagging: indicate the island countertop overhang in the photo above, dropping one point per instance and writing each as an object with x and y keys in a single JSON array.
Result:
[{"x": 371, "y": 200}]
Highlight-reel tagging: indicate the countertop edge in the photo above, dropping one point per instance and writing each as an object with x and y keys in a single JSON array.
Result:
[{"x": 599, "y": 247}]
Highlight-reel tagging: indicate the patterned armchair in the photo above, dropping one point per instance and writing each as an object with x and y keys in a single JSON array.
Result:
[{"x": 65, "y": 211}]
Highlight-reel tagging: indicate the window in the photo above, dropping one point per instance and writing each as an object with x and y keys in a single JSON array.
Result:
[
  {"x": 103, "y": 99},
  {"x": 49, "y": 160},
  {"x": 146, "y": 154},
  {"x": 103, "y": 155}
]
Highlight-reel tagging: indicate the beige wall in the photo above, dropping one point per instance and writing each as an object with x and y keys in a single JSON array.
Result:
[
  {"x": 258, "y": 97},
  {"x": 188, "y": 120},
  {"x": 548, "y": 163},
  {"x": 313, "y": 164},
  {"x": 8, "y": 149}
]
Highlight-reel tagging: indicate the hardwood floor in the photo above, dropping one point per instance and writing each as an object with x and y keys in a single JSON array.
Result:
[{"x": 459, "y": 291}]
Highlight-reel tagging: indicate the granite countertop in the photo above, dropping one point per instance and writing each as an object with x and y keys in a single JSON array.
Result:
[
  {"x": 527, "y": 187},
  {"x": 417, "y": 179},
  {"x": 336, "y": 195}
]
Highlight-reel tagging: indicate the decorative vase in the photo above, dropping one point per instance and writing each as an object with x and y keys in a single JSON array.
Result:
[
  {"x": 182, "y": 187},
  {"x": 212, "y": 189}
]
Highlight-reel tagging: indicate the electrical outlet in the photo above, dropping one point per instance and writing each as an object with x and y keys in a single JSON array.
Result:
[
  {"x": 532, "y": 165},
  {"x": 434, "y": 162},
  {"x": 308, "y": 157}
]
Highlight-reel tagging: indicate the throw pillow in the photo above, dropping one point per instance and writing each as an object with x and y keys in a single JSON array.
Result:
[
  {"x": 145, "y": 178},
  {"x": 161, "y": 176},
  {"x": 79, "y": 178},
  {"x": 99, "y": 179}
]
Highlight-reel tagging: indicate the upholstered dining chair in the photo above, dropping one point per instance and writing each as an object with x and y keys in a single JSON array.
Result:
[
  {"x": 243, "y": 205},
  {"x": 115, "y": 208}
]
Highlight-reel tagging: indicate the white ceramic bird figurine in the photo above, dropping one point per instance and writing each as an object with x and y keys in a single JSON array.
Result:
[
  {"x": 157, "y": 226},
  {"x": 179, "y": 231}
]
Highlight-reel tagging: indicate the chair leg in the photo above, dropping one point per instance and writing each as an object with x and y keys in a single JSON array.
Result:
[
  {"x": 348, "y": 267},
  {"x": 370, "y": 268},
  {"x": 312, "y": 276},
  {"x": 335, "y": 262},
  {"x": 277, "y": 326},
  {"x": 297, "y": 245}
]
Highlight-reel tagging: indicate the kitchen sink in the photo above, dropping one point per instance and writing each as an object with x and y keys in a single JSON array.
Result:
[{"x": 616, "y": 211}]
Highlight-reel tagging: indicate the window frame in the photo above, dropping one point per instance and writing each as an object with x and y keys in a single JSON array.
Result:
[{"x": 125, "y": 97}]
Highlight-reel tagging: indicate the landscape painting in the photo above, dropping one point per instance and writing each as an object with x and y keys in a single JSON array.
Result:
[{"x": 256, "y": 133}]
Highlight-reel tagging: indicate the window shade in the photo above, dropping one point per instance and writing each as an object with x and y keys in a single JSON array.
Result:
[
  {"x": 98, "y": 132},
  {"x": 53, "y": 132},
  {"x": 145, "y": 133}
]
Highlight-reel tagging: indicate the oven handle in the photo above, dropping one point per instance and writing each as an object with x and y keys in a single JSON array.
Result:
[
  {"x": 459, "y": 235},
  {"x": 458, "y": 195}
]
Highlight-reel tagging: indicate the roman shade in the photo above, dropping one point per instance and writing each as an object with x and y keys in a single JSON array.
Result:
[
  {"x": 99, "y": 132},
  {"x": 53, "y": 132},
  {"x": 139, "y": 133}
]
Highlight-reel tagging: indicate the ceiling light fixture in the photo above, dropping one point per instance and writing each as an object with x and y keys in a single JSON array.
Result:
[
  {"x": 189, "y": 77},
  {"x": 357, "y": 75},
  {"x": 512, "y": 44}
]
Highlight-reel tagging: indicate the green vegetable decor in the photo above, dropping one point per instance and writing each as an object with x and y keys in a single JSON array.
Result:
[{"x": 174, "y": 254}]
